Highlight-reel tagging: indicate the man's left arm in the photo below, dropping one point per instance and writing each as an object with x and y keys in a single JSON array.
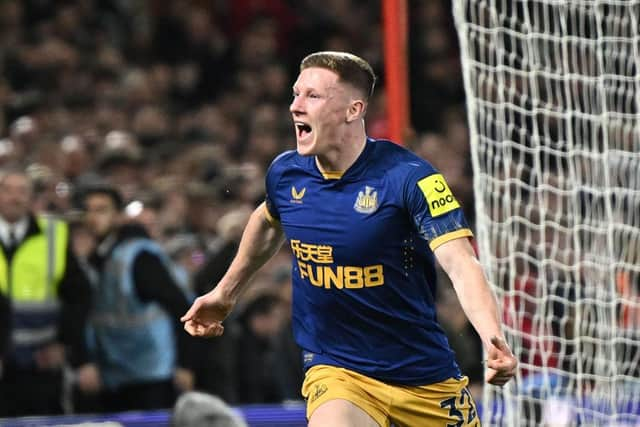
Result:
[{"x": 458, "y": 260}]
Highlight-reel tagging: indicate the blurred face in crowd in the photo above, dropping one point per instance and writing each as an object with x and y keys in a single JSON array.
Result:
[
  {"x": 101, "y": 214},
  {"x": 320, "y": 110},
  {"x": 268, "y": 324},
  {"x": 16, "y": 194}
]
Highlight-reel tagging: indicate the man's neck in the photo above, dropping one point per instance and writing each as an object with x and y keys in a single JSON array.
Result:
[
  {"x": 345, "y": 155},
  {"x": 106, "y": 242},
  {"x": 15, "y": 222}
]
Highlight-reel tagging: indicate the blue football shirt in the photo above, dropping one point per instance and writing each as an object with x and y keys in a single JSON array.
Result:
[{"x": 363, "y": 269}]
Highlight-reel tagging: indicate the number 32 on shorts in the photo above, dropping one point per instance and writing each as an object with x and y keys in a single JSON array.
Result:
[{"x": 456, "y": 406}]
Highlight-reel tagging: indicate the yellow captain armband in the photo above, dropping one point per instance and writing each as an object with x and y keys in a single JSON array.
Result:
[{"x": 438, "y": 195}]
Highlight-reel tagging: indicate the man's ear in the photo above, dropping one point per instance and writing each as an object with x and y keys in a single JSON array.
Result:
[{"x": 356, "y": 110}]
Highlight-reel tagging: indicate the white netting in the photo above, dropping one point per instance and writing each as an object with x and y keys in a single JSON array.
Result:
[{"x": 553, "y": 97}]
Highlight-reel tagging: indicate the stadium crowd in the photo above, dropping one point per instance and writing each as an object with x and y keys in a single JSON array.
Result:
[{"x": 181, "y": 106}]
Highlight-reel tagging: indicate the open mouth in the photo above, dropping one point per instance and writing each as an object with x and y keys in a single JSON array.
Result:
[{"x": 303, "y": 130}]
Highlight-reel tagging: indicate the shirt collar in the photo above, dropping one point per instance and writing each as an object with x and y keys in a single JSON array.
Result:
[
  {"x": 19, "y": 229},
  {"x": 358, "y": 165}
]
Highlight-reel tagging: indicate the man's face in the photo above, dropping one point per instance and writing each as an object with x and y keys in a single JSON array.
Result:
[
  {"x": 101, "y": 214},
  {"x": 15, "y": 197},
  {"x": 319, "y": 107}
]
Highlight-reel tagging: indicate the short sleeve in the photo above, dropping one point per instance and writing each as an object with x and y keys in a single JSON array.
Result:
[
  {"x": 271, "y": 184},
  {"x": 435, "y": 211},
  {"x": 269, "y": 209}
]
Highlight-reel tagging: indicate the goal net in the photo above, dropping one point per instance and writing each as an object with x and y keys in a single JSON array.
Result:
[{"x": 553, "y": 99}]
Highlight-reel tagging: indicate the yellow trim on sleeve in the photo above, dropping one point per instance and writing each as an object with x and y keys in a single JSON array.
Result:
[
  {"x": 270, "y": 219},
  {"x": 464, "y": 232}
]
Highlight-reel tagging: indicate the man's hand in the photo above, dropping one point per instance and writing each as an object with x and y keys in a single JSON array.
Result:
[
  {"x": 88, "y": 378},
  {"x": 501, "y": 363},
  {"x": 50, "y": 357},
  {"x": 204, "y": 318},
  {"x": 183, "y": 379}
]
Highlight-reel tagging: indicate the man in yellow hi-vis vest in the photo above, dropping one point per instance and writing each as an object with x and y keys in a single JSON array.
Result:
[{"x": 48, "y": 296}]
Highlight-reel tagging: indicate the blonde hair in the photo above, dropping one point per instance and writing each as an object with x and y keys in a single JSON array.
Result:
[{"x": 350, "y": 69}]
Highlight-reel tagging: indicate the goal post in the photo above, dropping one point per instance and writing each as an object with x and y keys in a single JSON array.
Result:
[
  {"x": 553, "y": 103},
  {"x": 395, "y": 42}
]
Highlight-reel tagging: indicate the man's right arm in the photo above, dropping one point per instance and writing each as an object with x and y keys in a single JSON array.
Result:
[{"x": 261, "y": 239}]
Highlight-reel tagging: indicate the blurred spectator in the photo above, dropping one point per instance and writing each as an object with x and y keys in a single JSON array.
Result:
[
  {"x": 261, "y": 321},
  {"x": 196, "y": 409},
  {"x": 7, "y": 152},
  {"x": 145, "y": 209},
  {"x": 203, "y": 209},
  {"x": 436, "y": 78},
  {"x": 244, "y": 12},
  {"x": 48, "y": 298},
  {"x": 151, "y": 125},
  {"x": 24, "y": 133},
  {"x": 286, "y": 361},
  {"x": 221, "y": 251},
  {"x": 287, "y": 364},
  {"x": 190, "y": 36},
  {"x": 218, "y": 364},
  {"x": 120, "y": 162},
  {"x": 74, "y": 158},
  {"x": 187, "y": 254},
  {"x": 136, "y": 307}
]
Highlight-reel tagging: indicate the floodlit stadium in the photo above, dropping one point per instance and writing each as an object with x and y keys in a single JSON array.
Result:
[{"x": 529, "y": 110}]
